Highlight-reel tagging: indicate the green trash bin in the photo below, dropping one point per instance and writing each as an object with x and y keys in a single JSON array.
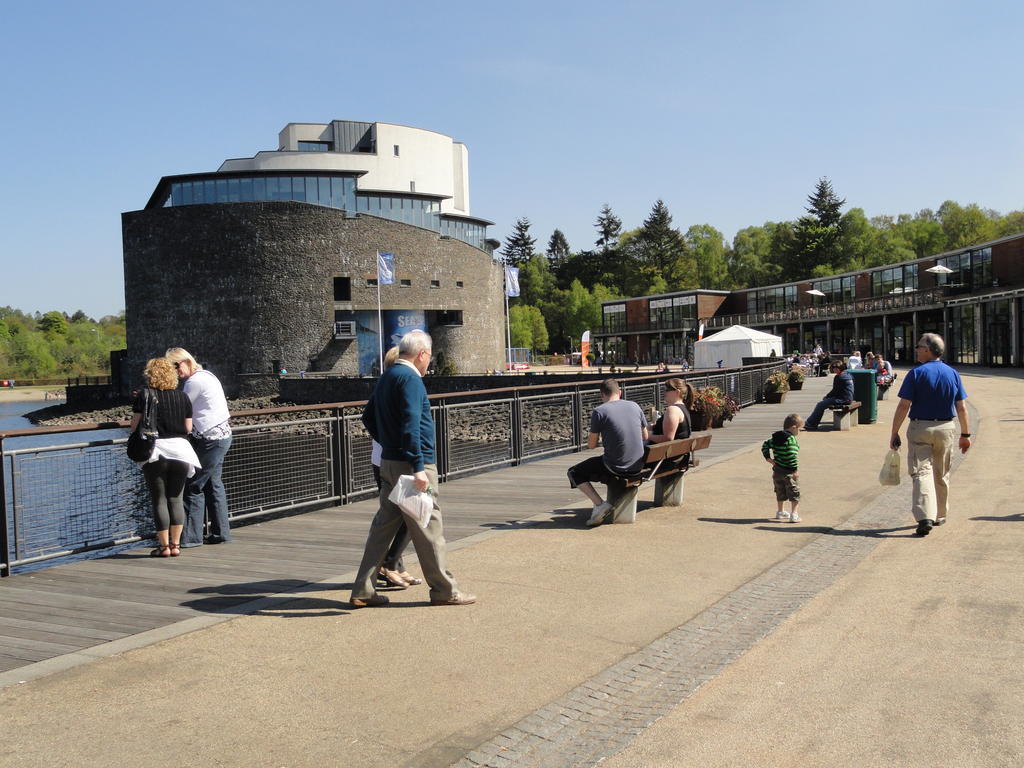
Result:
[{"x": 865, "y": 389}]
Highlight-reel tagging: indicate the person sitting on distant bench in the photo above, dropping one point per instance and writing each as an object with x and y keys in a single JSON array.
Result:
[
  {"x": 622, "y": 428},
  {"x": 841, "y": 394}
]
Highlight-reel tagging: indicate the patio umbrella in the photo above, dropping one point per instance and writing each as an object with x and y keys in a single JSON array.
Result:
[{"x": 938, "y": 269}]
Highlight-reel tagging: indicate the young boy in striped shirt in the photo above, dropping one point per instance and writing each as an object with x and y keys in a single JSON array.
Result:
[{"x": 785, "y": 448}]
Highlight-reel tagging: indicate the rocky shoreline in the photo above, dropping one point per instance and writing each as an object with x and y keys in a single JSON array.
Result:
[{"x": 64, "y": 415}]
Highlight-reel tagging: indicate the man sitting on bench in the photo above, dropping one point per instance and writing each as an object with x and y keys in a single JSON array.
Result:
[
  {"x": 622, "y": 428},
  {"x": 841, "y": 394}
]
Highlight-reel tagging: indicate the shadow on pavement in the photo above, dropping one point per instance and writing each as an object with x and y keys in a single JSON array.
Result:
[
  {"x": 763, "y": 524},
  {"x": 560, "y": 519},
  {"x": 232, "y": 598}
]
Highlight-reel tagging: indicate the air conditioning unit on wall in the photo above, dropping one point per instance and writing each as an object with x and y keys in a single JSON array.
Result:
[{"x": 345, "y": 329}]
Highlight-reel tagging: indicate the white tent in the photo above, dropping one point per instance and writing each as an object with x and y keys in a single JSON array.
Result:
[{"x": 732, "y": 345}]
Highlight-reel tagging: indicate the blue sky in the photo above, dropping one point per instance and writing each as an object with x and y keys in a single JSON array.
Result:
[{"x": 729, "y": 111}]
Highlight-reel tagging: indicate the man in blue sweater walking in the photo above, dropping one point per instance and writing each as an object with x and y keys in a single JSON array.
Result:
[{"x": 398, "y": 417}]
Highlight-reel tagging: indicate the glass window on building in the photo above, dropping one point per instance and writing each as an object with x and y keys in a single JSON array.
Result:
[
  {"x": 315, "y": 146},
  {"x": 962, "y": 337},
  {"x": 958, "y": 280},
  {"x": 981, "y": 269},
  {"x": 998, "y": 337},
  {"x": 660, "y": 313},
  {"x": 837, "y": 290},
  {"x": 614, "y": 318},
  {"x": 684, "y": 308},
  {"x": 774, "y": 299}
]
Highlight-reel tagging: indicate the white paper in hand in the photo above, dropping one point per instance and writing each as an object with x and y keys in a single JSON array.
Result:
[{"x": 416, "y": 505}]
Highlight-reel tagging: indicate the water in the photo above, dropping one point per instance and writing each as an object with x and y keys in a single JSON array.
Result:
[
  {"x": 12, "y": 416},
  {"x": 57, "y": 522}
]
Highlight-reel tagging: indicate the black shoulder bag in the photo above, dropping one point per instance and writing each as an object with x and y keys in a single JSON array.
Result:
[{"x": 142, "y": 440}]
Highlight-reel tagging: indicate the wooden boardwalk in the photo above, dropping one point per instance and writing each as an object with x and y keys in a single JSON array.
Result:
[{"x": 70, "y": 608}]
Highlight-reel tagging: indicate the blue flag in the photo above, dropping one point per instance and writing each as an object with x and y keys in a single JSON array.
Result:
[
  {"x": 385, "y": 268},
  {"x": 511, "y": 281}
]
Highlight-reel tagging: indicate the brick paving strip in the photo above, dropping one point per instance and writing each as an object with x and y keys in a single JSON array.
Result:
[{"x": 603, "y": 715}]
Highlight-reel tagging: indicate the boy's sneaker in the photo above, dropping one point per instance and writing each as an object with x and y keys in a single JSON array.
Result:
[
  {"x": 783, "y": 515},
  {"x": 794, "y": 518},
  {"x": 599, "y": 512}
]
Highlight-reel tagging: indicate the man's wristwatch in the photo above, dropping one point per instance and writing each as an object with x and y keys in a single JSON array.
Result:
[{"x": 965, "y": 434}]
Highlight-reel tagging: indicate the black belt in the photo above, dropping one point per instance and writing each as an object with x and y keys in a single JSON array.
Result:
[{"x": 931, "y": 419}]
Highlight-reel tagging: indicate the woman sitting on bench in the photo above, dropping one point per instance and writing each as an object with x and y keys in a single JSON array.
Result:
[{"x": 674, "y": 423}]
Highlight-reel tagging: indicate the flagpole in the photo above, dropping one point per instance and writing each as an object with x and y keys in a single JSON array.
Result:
[
  {"x": 380, "y": 323},
  {"x": 508, "y": 329}
]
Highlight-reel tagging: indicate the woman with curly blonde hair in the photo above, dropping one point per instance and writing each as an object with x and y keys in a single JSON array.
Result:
[{"x": 173, "y": 460}]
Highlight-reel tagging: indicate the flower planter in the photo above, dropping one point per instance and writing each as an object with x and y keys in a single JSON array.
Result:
[
  {"x": 796, "y": 386},
  {"x": 700, "y": 422},
  {"x": 774, "y": 397},
  {"x": 719, "y": 422}
]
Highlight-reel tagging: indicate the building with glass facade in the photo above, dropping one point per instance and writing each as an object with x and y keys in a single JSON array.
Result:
[
  {"x": 970, "y": 296},
  {"x": 419, "y": 177},
  {"x": 270, "y": 262}
]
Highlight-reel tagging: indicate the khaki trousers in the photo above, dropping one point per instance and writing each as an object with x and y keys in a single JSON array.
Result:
[
  {"x": 429, "y": 542},
  {"x": 929, "y": 461}
]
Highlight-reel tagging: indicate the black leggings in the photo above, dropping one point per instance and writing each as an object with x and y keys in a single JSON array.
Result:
[{"x": 166, "y": 481}]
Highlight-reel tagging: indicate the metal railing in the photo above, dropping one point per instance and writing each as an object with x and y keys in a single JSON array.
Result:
[
  {"x": 878, "y": 304},
  {"x": 66, "y": 499},
  {"x": 674, "y": 325}
]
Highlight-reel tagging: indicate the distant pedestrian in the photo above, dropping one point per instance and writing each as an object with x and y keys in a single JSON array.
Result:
[
  {"x": 933, "y": 396},
  {"x": 398, "y": 417},
  {"x": 840, "y": 394},
  {"x": 205, "y": 496},
  {"x": 781, "y": 450}
]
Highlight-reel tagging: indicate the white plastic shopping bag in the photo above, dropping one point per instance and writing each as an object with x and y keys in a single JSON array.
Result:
[
  {"x": 416, "y": 505},
  {"x": 890, "y": 474}
]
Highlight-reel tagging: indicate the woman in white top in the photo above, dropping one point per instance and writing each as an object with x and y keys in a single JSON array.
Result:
[{"x": 205, "y": 496}]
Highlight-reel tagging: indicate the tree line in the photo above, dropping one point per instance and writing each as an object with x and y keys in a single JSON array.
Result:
[
  {"x": 55, "y": 344},
  {"x": 561, "y": 290}
]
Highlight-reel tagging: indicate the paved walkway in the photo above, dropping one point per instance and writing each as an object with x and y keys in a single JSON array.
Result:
[
  {"x": 706, "y": 635},
  {"x": 69, "y": 614}
]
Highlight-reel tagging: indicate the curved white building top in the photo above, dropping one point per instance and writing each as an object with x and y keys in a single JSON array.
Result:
[{"x": 391, "y": 158}]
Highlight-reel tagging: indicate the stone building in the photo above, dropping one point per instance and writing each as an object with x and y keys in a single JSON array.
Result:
[{"x": 270, "y": 262}]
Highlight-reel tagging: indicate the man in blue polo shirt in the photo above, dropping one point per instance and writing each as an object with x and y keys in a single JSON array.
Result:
[{"x": 932, "y": 395}]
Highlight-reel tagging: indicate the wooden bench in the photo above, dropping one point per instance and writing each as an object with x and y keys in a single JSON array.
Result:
[
  {"x": 845, "y": 416},
  {"x": 661, "y": 464}
]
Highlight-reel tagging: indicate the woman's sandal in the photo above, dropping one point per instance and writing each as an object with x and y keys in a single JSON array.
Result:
[
  {"x": 162, "y": 550},
  {"x": 393, "y": 578},
  {"x": 175, "y": 550},
  {"x": 412, "y": 581}
]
